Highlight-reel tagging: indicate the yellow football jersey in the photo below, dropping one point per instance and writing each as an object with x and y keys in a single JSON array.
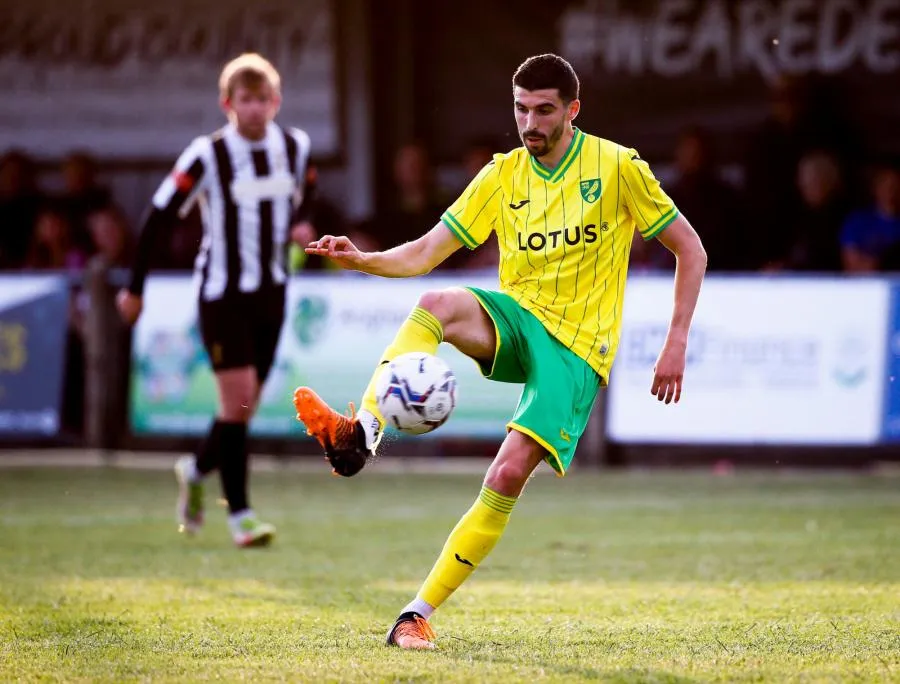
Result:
[{"x": 565, "y": 235}]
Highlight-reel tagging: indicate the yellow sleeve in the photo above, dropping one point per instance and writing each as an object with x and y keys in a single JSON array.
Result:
[
  {"x": 651, "y": 208},
  {"x": 472, "y": 216}
]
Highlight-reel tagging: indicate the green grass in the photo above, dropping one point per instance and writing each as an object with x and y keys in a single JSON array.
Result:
[{"x": 640, "y": 577}]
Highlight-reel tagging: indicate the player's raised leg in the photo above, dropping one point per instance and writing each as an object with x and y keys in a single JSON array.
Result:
[
  {"x": 473, "y": 538},
  {"x": 454, "y": 316}
]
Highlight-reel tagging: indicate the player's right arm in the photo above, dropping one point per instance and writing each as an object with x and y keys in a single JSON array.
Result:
[
  {"x": 403, "y": 261},
  {"x": 468, "y": 222},
  {"x": 186, "y": 180}
]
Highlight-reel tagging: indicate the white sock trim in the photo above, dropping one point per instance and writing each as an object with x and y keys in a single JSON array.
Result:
[
  {"x": 419, "y": 606},
  {"x": 194, "y": 476},
  {"x": 370, "y": 425},
  {"x": 187, "y": 469}
]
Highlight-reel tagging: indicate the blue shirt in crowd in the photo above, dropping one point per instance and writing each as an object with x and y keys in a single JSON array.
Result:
[{"x": 871, "y": 232}]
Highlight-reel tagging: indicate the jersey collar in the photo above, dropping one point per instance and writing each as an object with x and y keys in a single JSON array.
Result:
[{"x": 553, "y": 175}]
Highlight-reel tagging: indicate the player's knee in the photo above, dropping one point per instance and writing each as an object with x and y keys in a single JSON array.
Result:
[
  {"x": 518, "y": 457},
  {"x": 442, "y": 304},
  {"x": 238, "y": 406},
  {"x": 508, "y": 476}
]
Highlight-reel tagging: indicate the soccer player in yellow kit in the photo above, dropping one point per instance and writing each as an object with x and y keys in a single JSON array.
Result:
[{"x": 564, "y": 207}]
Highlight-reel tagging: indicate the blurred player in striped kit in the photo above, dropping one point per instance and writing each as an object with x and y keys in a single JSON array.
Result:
[{"x": 254, "y": 185}]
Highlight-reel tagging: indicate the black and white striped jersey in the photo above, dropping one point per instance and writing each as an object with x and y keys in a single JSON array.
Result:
[{"x": 249, "y": 193}]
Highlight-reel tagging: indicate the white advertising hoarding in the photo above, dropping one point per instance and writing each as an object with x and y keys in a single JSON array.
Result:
[
  {"x": 334, "y": 333},
  {"x": 770, "y": 360}
]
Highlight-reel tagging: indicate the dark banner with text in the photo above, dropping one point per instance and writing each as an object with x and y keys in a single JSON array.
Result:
[
  {"x": 33, "y": 320},
  {"x": 136, "y": 80},
  {"x": 650, "y": 68}
]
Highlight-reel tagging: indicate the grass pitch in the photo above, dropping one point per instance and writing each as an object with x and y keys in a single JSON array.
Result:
[{"x": 616, "y": 577}]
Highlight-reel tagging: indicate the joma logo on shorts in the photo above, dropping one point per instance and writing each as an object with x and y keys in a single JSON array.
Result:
[{"x": 572, "y": 236}]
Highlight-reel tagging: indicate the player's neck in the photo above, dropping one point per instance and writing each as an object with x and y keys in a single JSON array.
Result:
[{"x": 551, "y": 161}]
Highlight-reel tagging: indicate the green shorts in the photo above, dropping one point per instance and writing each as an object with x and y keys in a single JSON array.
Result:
[{"x": 560, "y": 387}]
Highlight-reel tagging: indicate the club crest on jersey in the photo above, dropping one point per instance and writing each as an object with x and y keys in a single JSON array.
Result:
[{"x": 590, "y": 190}]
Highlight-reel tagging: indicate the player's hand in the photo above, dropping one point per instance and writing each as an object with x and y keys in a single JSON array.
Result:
[
  {"x": 303, "y": 233},
  {"x": 130, "y": 306},
  {"x": 340, "y": 249},
  {"x": 668, "y": 372}
]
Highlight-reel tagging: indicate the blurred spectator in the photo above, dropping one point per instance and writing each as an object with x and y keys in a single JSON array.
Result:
[
  {"x": 870, "y": 239},
  {"x": 110, "y": 235},
  {"x": 52, "y": 247},
  {"x": 814, "y": 228},
  {"x": 476, "y": 156},
  {"x": 417, "y": 205},
  {"x": 712, "y": 206},
  {"x": 82, "y": 194},
  {"x": 804, "y": 117},
  {"x": 20, "y": 201}
]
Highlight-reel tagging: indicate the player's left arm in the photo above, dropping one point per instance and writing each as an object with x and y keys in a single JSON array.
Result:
[
  {"x": 682, "y": 240},
  {"x": 656, "y": 216}
]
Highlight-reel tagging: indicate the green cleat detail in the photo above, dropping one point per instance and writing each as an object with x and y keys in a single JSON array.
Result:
[{"x": 251, "y": 532}]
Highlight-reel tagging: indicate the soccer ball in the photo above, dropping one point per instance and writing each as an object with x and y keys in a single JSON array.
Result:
[{"x": 416, "y": 393}]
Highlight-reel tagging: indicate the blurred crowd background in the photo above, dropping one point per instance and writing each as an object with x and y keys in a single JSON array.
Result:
[
  {"x": 772, "y": 124},
  {"x": 806, "y": 194}
]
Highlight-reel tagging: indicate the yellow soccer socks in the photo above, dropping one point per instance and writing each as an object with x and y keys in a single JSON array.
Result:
[
  {"x": 420, "y": 332},
  {"x": 469, "y": 543}
]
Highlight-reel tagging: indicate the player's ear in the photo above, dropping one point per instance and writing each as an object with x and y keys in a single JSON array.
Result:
[
  {"x": 225, "y": 104},
  {"x": 573, "y": 109},
  {"x": 276, "y": 102}
]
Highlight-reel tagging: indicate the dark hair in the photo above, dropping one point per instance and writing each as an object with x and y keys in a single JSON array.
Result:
[
  {"x": 886, "y": 163},
  {"x": 548, "y": 71},
  {"x": 17, "y": 156}
]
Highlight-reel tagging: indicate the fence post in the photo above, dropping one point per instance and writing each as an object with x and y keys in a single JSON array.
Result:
[{"x": 103, "y": 355}]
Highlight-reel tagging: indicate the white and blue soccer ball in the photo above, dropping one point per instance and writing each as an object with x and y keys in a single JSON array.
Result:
[{"x": 416, "y": 393}]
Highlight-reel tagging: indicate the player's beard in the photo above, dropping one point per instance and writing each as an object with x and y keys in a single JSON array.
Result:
[{"x": 543, "y": 148}]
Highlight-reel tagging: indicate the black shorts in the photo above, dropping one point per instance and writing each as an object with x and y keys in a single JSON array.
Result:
[{"x": 243, "y": 330}]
